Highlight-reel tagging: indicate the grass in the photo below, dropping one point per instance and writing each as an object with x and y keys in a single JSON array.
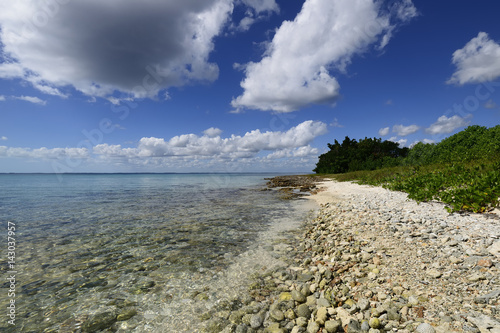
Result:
[{"x": 472, "y": 186}]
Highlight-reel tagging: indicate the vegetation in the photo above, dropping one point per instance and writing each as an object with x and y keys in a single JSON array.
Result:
[
  {"x": 462, "y": 171},
  {"x": 367, "y": 154}
]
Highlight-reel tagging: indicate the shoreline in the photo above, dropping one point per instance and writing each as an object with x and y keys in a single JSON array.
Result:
[{"x": 373, "y": 261}]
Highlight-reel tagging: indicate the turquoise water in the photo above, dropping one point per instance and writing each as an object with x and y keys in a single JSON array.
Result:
[{"x": 141, "y": 244}]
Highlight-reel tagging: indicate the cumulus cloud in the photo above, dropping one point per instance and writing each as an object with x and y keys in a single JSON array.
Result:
[
  {"x": 212, "y": 132},
  {"x": 115, "y": 46},
  {"x": 212, "y": 145},
  {"x": 405, "y": 130},
  {"x": 255, "y": 150},
  {"x": 31, "y": 99},
  {"x": 295, "y": 70},
  {"x": 383, "y": 131},
  {"x": 477, "y": 61},
  {"x": 3, "y": 138},
  {"x": 448, "y": 125}
]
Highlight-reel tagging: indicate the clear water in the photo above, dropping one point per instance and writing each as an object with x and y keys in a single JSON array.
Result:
[{"x": 146, "y": 243}]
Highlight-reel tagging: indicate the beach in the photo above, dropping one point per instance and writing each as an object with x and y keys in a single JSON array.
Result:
[{"x": 370, "y": 260}]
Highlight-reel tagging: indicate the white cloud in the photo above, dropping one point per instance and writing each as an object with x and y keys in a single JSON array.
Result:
[
  {"x": 293, "y": 143},
  {"x": 423, "y": 141},
  {"x": 31, "y": 99},
  {"x": 10, "y": 70},
  {"x": 2, "y": 98},
  {"x": 101, "y": 48},
  {"x": 383, "y": 131},
  {"x": 262, "y": 5},
  {"x": 490, "y": 104},
  {"x": 212, "y": 132},
  {"x": 257, "y": 10},
  {"x": 295, "y": 69},
  {"x": 255, "y": 150},
  {"x": 212, "y": 145},
  {"x": 448, "y": 125},
  {"x": 405, "y": 130},
  {"x": 477, "y": 61},
  {"x": 336, "y": 123},
  {"x": 3, "y": 138},
  {"x": 401, "y": 142},
  {"x": 45, "y": 153}
]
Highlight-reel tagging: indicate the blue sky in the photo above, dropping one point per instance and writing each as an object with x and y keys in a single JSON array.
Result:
[{"x": 236, "y": 85}]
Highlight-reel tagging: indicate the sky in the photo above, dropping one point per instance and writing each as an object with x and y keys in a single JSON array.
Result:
[{"x": 236, "y": 85}]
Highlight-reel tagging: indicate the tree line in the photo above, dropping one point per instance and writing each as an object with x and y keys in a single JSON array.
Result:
[{"x": 473, "y": 143}]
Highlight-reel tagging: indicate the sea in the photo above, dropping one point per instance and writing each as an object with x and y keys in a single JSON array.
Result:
[{"x": 160, "y": 252}]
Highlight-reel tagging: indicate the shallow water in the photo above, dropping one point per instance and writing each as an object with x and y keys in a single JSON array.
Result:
[{"x": 164, "y": 248}]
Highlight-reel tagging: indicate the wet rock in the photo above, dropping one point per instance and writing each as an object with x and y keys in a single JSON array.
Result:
[
  {"x": 99, "y": 321},
  {"x": 126, "y": 314}
]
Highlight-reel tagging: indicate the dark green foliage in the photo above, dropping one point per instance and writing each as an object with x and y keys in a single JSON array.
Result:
[
  {"x": 462, "y": 171},
  {"x": 367, "y": 154}
]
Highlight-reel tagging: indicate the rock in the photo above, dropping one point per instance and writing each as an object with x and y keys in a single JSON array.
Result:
[
  {"x": 353, "y": 327},
  {"x": 434, "y": 273},
  {"x": 322, "y": 302},
  {"x": 303, "y": 311},
  {"x": 304, "y": 277},
  {"x": 285, "y": 296},
  {"x": 274, "y": 328},
  {"x": 485, "y": 263},
  {"x": 412, "y": 300},
  {"x": 277, "y": 315},
  {"x": 321, "y": 315},
  {"x": 126, "y": 314},
  {"x": 312, "y": 327},
  {"x": 298, "y": 296},
  {"x": 485, "y": 323},
  {"x": 365, "y": 326},
  {"x": 99, "y": 321},
  {"x": 241, "y": 329},
  {"x": 215, "y": 325},
  {"x": 495, "y": 249},
  {"x": 256, "y": 320},
  {"x": 425, "y": 328},
  {"x": 363, "y": 304},
  {"x": 393, "y": 314},
  {"x": 332, "y": 326},
  {"x": 485, "y": 299},
  {"x": 455, "y": 260},
  {"x": 374, "y": 323},
  {"x": 290, "y": 314},
  {"x": 301, "y": 321},
  {"x": 344, "y": 316},
  {"x": 476, "y": 277}
]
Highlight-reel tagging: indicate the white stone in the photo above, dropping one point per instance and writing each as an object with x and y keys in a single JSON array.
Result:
[{"x": 495, "y": 249}]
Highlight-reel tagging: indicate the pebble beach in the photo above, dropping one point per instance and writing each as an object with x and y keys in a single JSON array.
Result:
[{"x": 371, "y": 260}]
